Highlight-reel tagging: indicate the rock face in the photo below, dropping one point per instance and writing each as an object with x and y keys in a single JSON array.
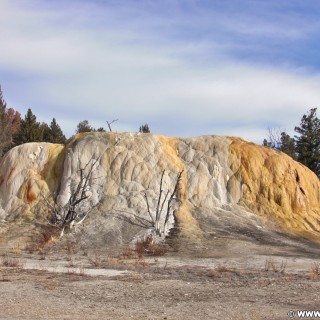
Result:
[{"x": 226, "y": 183}]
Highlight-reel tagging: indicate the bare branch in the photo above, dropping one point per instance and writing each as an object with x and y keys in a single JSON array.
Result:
[
  {"x": 171, "y": 197},
  {"x": 148, "y": 207},
  {"x": 160, "y": 205},
  {"x": 165, "y": 198},
  {"x": 110, "y": 123},
  {"x": 69, "y": 215},
  {"x": 79, "y": 222},
  {"x": 159, "y": 198}
]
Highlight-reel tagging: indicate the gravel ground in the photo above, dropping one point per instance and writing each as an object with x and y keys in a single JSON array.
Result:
[{"x": 171, "y": 287}]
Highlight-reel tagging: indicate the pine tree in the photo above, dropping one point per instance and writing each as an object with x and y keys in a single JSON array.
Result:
[
  {"x": 53, "y": 133},
  {"x": 30, "y": 130},
  {"x": 280, "y": 140},
  {"x": 287, "y": 145},
  {"x": 267, "y": 143},
  {"x": 4, "y": 126},
  {"x": 45, "y": 131},
  {"x": 144, "y": 128},
  {"x": 308, "y": 141},
  {"x": 9, "y": 124},
  {"x": 84, "y": 126}
]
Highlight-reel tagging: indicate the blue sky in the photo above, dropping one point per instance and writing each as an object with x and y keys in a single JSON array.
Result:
[{"x": 185, "y": 67}]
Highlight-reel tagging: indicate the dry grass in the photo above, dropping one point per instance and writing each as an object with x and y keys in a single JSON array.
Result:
[
  {"x": 51, "y": 284},
  {"x": 48, "y": 235},
  {"x": 10, "y": 262},
  {"x": 96, "y": 260},
  {"x": 80, "y": 271},
  {"x": 128, "y": 253},
  {"x": 71, "y": 263},
  {"x": 315, "y": 271},
  {"x": 71, "y": 247},
  {"x": 113, "y": 262},
  {"x": 270, "y": 265},
  {"x": 221, "y": 271},
  {"x": 148, "y": 247},
  {"x": 4, "y": 276},
  {"x": 223, "y": 268},
  {"x": 16, "y": 249}
]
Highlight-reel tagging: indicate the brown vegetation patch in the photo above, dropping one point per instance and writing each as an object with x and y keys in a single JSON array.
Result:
[
  {"x": 47, "y": 235},
  {"x": 148, "y": 247},
  {"x": 11, "y": 262},
  {"x": 315, "y": 271}
]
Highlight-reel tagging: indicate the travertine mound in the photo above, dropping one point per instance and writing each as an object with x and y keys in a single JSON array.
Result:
[{"x": 227, "y": 183}]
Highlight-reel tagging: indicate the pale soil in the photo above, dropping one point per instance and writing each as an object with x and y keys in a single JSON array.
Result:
[{"x": 228, "y": 281}]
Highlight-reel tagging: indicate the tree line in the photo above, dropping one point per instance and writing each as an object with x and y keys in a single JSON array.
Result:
[
  {"x": 15, "y": 130},
  {"x": 303, "y": 147}
]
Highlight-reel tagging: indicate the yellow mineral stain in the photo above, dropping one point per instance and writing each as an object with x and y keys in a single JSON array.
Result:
[
  {"x": 187, "y": 224},
  {"x": 278, "y": 188},
  {"x": 53, "y": 168}
]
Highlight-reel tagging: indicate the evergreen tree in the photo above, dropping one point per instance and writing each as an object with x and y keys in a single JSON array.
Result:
[
  {"x": 9, "y": 124},
  {"x": 30, "y": 130},
  {"x": 308, "y": 141},
  {"x": 287, "y": 145},
  {"x": 5, "y": 130},
  {"x": 84, "y": 126},
  {"x": 45, "y": 132},
  {"x": 280, "y": 140},
  {"x": 53, "y": 133},
  {"x": 267, "y": 143},
  {"x": 144, "y": 128}
]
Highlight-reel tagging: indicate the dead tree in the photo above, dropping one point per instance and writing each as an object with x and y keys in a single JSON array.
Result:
[
  {"x": 159, "y": 213},
  {"x": 110, "y": 123},
  {"x": 67, "y": 216},
  {"x": 274, "y": 138}
]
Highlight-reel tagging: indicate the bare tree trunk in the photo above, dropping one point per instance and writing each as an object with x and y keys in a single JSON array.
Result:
[
  {"x": 155, "y": 221},
  {"x": 68, "y": 216},
  {"x": 171, "y": 198},
  {"x": 110, "y": 123}
]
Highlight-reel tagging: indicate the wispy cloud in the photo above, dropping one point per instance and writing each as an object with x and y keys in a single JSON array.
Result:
[{"x": 185, "y": 67}]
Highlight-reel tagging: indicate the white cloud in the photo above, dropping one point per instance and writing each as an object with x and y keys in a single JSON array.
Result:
[{"x": 80, "y": 70}]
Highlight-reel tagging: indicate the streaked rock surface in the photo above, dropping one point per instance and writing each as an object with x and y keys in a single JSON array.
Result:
[{"x": 227, "y": 184}]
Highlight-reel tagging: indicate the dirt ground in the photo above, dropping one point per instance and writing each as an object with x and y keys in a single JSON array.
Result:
[{"x": 225, "y": 279}]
